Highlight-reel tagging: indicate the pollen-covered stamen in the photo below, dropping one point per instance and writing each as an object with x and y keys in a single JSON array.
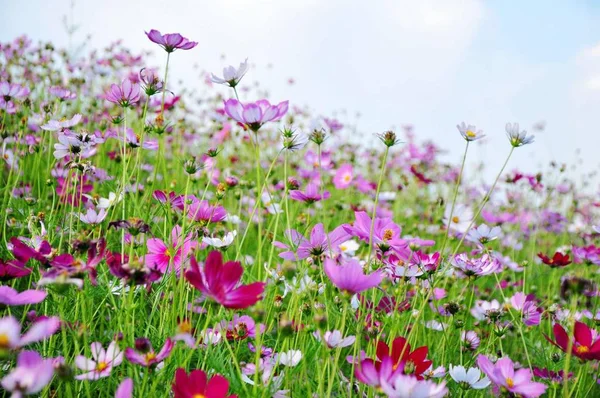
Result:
[
  {"x": 509, "y": 382},
  {"x": 388, "y": 234},
  {"x": 455, "y": 219},
  {"x": 582, "y": 349},
  {"x": 4, "y": 340},
  {"x": 150, "y": 357},
  {"x": 471, "y": 134},
  {"x": 101, "y": 366}
]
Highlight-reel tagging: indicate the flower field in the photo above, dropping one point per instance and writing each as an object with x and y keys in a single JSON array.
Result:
[{"x": 159, "y": 239}]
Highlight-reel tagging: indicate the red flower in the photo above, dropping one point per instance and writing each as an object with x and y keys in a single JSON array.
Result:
[
  {"x": 558, "y": 260},
  {"x": 218, "y": 281},
  {"x": 583, "y": 346},
  {"x": 196, "y": 385},
  {"x": 414, "y": 363}
]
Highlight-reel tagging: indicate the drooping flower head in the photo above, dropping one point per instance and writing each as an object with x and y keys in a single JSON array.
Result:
[{"x": 170, "y": 41}]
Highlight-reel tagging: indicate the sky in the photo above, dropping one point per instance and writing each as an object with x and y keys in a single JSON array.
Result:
[{"x": 431, "y": 64}]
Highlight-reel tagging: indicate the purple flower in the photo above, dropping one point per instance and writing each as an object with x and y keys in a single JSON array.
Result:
[
  {"x": 474, "y": 267},
  {"x": 311, "y": 195},
  {"x": 386, "y": 234},
  {"x": 62, "y": 93},
  {"x": 10, "y": 91},
  {"x": 505, "y": 379},
  {"x": 170, "y": 41},
  {"x": 350, "y": 276},
  {"x": 151, "y": 82},
  {"x": 319, "y": 243},
  {"x": 54, "y": 125},
  {"x": 125, "y": 95},
  {"x": 146, "y": 356},
  {"x": 102, "y": 363},
  {"x": 9, "y": 296},
  {"x": 30, "y": 376},
  {"x": 255, "y": 114},
  {"x": 92, "y": 217},
  {"x": 10, "y": 332},
  {"x": 343, "y": 176},
  {"x": 201, "y": 211},
  {"x": 13, "y": 269}
]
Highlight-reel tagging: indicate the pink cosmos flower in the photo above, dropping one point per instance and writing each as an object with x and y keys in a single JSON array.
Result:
[
  {"x": 386, "y": 234},
  {"x": 197, "y": 384},
  {"x": 9, "y": 296},
  {"x": 92, "y": 217},
  {"x": 170, "y": 41},
  {"x": 62, "y": 93},
  {"x": 403, "y": 386},
  {"x": 30, "y": 376},
  {"x": 254, "y": 115},
  {"x": 145, "y": 355},
  {"x": 102, "y": 363},
  {"x": 10, "y": 332},
  {"x": 10, "y": 91},
  {"x": 350, "y": 276},
  {"x": 55, "y": 125},
  {"x": 343, "y": 176},
  {"x": 319, "y": 243},
  {"x": 311, "y": 195},
  {"x": 125, "y": 95},
  {"x": 201, "y": 211},
  {"x": 334, "y": 339},
  {"x": 505, "y": 379},
  {"x": 125, "y": 389},
  {"x": 220, "y": 282},
  {"x": 160, "y": 255}
]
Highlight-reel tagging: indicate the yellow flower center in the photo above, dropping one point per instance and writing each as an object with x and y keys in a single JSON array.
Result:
[
  {"x": 150, "y": 357},
  {"x": 509, "y": 382},
  {"x": 347, "y": 178},
  {"x": 455, "y": 219},
  {"x": 184, "y": 327},
  {"x": 168, "y": 253},
  {"x": 4, "y": 340},
  {"x": 198, "y": 396},
  {"x": 582, "y": 349},
  {"x": 471, "y": 134},
  {"x": 101, "y": 366},
  {"x": 388, "y": 234}
]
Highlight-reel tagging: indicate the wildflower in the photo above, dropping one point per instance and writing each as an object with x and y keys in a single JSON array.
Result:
[
  {"x": 92, "y": 217},
  {"x": 113, "y": 199},
  {"x": 68, "y": 145},
  {"x": 412, "y": 362},
  {"x": 170, "y": 41},
  {"x": 462, "y": 217},
  {"x": 350, "y": 276},
  {"x": 409, "y": 387},
  {"x": 201, "y": 211},
  {"x": 102, "y": 363},
  {"x": 254, "y": 115},
  {"x": 62, "y": 93},
  {"x": 505, "y": 379},
  {"x": 10, "y": 332},
  {"x": 528, "y": 309},
  {"x": 557, "y": 260},
  {"x": 470, "y": 340},
  {"x": 197, "y": 384},
  {"x": 161, "y": 256},
  {"x": 294, "y": 141},
  {"x": 484, "y": 234},
  {"x": 290, "y": 358},
  {"x": 218, "y": 281},
  {"x": 125, "y": 95},
  {"x": 226, "y": 241},
  {"x": 385, "y": 234},
  {"x": 125, "y": 389},
  {"x": 470, "y": 132},
  {"x": 584, "y": 345},
  {"x": 388, "y": 138},
  {"x": 240, "y": 328},
  {"x": 483, "y": 308},
  {"x": 311, "y": 195},
  {"x": 343, "y": 176},
  {"x": 334, "y": 339},
  {"x": 151, "y": 82},
  {"x": 231, "y": 75},
  {"x": 55, "y": 125},
  {"x": 145, "y": 354},
  {"x": 13, "y": 269},
  {"x": 547, "y": 374},
  {"x": 468, "y": 378},
  {"x": 271, "y": 206},
  {"x": 475, "y": 267},
  {"x": 31, "y": 375},
  {"x": 9, "y": 92},
  {"x": 517, "y": 138},
  {"x": 10, "y": 297}
]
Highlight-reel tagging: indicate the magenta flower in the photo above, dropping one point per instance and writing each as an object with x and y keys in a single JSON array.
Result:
[
  {"x": 160, "y": 255},
  {"x": 125, "y": 389},
  {"x": 386, "y": 233},
  {"x": 343, "y": 176},
  {"x": 13, "y": 269},
  {"x": 311, "y": 195},
  {"x": 474, "y": 267},
  {"x": 505, "y": 379},
  {"x": 10, "y": 332},
  {"x": 30, "y": 376},
  {"x": 254, "y": 115},
  {"x": 350, "y": 276},
  {"x": 9, "y": 296},
  {"x": 102, "y": 363},
  {"x": 201, "y": 211},
  {"x": 220, "y": 282},
  {"x": 170, "y": 41},
  {"x": 125, "y": 95},
  {"x": 145, "y": 355}
]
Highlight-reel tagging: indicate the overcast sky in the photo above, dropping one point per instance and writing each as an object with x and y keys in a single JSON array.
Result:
[{"x": 428, "y": 63}]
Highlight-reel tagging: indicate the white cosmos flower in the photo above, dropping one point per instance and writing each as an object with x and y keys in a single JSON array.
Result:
[
  {"x": 231, "y": 75},
  {"x": 410, "y": 387},
  {"x": 468, "y": 378},
  {"x": 290, "y": 358},
  {"x": 484, "y": 234},
  {"x": 54, "y": 125},
  {"x": 217, "y": 242},
  {"x": 469, "y": 132},
  {"x": 105, "y": 203},
  {"x": 461, "y": 218},
  {"x": 334, "y": 339},
  {"x": 272, "y": 207},
  {"x": 349, "y": 247}
]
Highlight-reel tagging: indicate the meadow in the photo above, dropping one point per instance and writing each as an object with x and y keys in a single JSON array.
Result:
[{"x": 159, "y": 239}]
